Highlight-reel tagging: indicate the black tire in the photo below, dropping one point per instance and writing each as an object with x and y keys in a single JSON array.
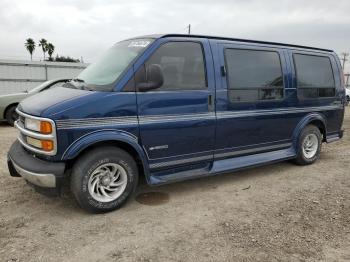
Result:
[
  {"x": 301, "y": 158},
  {"x": 87, "y": 164},
  {"x": 11, "y": 115},
  {"x": 347, "y": 100}
]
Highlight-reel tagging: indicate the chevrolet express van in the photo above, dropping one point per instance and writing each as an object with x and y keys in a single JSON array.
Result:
[{"x": 177, "y": 107}]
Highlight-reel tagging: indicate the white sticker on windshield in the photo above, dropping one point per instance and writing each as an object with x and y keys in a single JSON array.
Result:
[{"x": 141, "y": 43}]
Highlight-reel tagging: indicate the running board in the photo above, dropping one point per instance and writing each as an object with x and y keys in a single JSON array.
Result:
[
  {"x": 225, "y": 166},
  {"x": 238, "y": 163},
  {"x": 334, "y": 137}
]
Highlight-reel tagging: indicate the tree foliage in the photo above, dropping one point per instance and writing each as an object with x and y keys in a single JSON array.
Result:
[
  {"x": 30, "y": 46},
  {"x": 66, "y": 59},
  {"x": 50, "y": 49},
  {"x": 43, "y": 44}
]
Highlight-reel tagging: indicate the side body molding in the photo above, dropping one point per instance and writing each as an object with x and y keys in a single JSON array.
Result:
[{"x": 106, "y": 135}]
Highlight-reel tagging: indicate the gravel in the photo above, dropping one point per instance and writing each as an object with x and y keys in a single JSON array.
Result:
[{"x": 280, "y": 212}]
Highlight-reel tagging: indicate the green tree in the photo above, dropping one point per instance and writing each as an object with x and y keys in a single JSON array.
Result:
[
  {"x": 50, "y": 49},
  {"x": 30, "y": 46},
  {"x": 43, "y": 44},
  {"x": 66, "y": 59}
]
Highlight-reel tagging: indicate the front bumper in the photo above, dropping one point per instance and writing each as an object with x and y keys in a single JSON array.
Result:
[{"x": 40, "y": 173}]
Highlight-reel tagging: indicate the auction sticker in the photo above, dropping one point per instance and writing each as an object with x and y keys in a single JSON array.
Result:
[{"x": 140, "y": 43}]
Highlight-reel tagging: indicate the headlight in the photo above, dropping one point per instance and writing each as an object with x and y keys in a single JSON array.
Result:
[{"x": 43, "y": 127}]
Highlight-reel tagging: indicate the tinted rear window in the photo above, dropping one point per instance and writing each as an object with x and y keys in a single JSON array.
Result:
[
  {"x": 314, "y": 76},
  {"x": 313, "y": 71},
  {"x": 253, "y": 75}
]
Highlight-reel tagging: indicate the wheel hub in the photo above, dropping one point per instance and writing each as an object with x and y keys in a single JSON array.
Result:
[
  {"x": 105, "y": 181},
  {"x": 310, "y": 145}
]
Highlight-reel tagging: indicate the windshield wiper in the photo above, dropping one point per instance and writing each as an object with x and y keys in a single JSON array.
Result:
[
  {"x": 78, "y": 80},
  {"x": 78, "y": 83},
  {"x": 70, "y": 84}
]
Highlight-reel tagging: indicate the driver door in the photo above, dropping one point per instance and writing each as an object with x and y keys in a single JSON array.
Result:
[{"x": 177, "y": 120}]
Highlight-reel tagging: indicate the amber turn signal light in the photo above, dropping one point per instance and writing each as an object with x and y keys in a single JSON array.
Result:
[
  {"x": 45, "y": 127},
  {"x": 47, "y": 145}
]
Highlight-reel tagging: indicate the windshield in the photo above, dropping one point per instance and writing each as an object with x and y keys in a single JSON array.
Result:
[{"x": 107, "y": 69}]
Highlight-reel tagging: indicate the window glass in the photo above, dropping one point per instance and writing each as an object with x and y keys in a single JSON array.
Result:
[
  {"x": 314, "y": 76},
  {"x": 182, "y": 64},
  {"x": 253, "y": 75},
  {"x": 313, "y": 71},
  {"x": 100, "y": 75}
]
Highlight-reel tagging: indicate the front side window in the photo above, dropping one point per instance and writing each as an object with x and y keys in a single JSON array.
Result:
[
  {"x": 106, "y": 70},
  {"x": 314, "y": 76},
  {"x": 253, "y": 75},
  {"x": 182, "y": 65}
]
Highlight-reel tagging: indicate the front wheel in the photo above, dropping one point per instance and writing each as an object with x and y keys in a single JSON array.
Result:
[
  {"x": 103, "y": 179},
  {"x": 309, "y": 145}
]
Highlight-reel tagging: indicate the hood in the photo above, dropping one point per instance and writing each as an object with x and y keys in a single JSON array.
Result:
[{"x": 37, "y": 104}]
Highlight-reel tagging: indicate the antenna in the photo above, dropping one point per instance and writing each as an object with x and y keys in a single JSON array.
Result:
[
  {"x": 189, "y": 29},
  {"x": 344, "y": 58}
]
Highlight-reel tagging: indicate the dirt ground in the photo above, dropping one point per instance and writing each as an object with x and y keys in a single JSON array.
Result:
[{"x": 280, "y": 212}]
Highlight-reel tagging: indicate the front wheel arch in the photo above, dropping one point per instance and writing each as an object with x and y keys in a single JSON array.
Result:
[{"x": 109, "y": 138}]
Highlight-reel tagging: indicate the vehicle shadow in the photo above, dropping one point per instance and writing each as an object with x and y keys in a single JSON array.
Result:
[
  {"x": 218, "y": 180},
  {"x": 4, "y": 124},
  {"x": 190, "y": 187}
]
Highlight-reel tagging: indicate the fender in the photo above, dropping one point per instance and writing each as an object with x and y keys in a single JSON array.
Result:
[
  {"x": 106, "y": 135},
  {"x": 304, "y": 122}
]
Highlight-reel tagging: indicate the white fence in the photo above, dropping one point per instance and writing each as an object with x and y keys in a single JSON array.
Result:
[{"x": 17, "y": 76}]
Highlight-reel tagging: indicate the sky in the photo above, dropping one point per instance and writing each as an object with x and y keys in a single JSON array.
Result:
[{"x": 85, "y": 28}]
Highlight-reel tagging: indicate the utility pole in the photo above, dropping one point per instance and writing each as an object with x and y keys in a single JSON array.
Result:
[
  {"x": 344, "y": 59},
  {"x": 189, "y": 29}
]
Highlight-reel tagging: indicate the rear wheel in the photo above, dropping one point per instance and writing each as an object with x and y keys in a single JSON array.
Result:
[
  {"x": 103, "y": 179},
  {"x": 309, "y": 145},
  {"x": 11, "y": 115}
]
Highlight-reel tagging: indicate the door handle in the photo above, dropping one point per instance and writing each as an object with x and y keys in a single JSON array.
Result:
[{"x": 210, "y": 102}]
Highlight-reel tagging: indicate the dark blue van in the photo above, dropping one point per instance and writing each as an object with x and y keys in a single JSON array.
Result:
[{"x": 176, "y": 107}]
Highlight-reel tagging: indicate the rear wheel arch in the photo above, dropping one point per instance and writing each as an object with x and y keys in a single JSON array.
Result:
[
  {"x": 321, "y": 126},
  {"x": 314, "y": 119}
]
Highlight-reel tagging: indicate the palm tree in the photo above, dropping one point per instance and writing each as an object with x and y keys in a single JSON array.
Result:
[
  {"x": 30, "y": 46},
  {"x": 50, "y": 48},
  {"x": 43, "y": 44}
]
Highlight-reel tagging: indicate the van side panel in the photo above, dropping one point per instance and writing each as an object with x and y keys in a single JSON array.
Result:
[
  {"x": 331, "y": 108},
  {"x": 253, "y": 127}
]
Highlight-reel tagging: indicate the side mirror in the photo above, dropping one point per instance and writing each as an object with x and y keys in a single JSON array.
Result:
[{"x": 154, "y": 78}]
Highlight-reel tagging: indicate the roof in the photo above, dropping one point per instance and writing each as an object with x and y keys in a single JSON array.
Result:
[{"x": 234, "y": 39}]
